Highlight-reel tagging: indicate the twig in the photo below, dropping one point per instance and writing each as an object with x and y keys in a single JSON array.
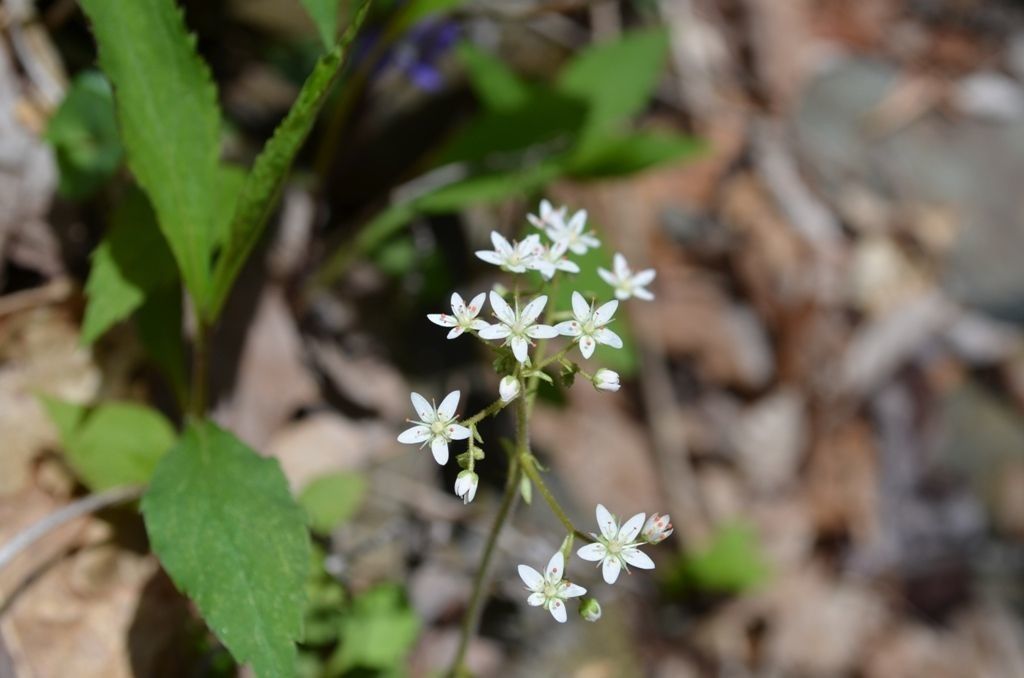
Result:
[{"x": 76, "y": 509}]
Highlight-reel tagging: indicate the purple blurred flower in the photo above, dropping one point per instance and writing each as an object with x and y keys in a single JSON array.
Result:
[{"x": 416, "y": 54}]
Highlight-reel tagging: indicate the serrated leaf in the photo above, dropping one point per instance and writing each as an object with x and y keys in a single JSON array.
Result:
[
  {"x": 616, "y": 78},
  {"x": 113, "y": 444},
  {"x": 83, "y": 131},
  {"x": 325, "y": 15},
  {"x": 170, "y": 123},
  {"x": 230, "y": 535},
  {"x": 377, "y": 632},
  {"x": 495, "y": 84},
  {"x": 132, "y": 261},
  {"x": 332, "y": 499},
  {"x": 263, "y": 184}
]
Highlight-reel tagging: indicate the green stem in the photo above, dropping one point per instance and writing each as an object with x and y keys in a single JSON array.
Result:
[
  {"x": 529, "y": 466},
  {"x": 200, "y": 367},
  {"x": 491, "y": 409},
  {"x": 472, "y": 619}
]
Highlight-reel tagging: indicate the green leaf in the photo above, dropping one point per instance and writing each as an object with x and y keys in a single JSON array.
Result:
[
  {"x": 131, "y": 262},
  {"x": 546, "y": 118},
  {"x": 158, "y": 323},
  {"x": 416, "y": 11},
  {"x": 488, "y": 188},
  {"x": 263, "y": 185},
  {"x": 495, "y": 85},
  {"x": 84, "y": 135},
  {"x": 332, "y": 499},
  {"x": 613, "y": 156},
  {"x": 170, "y": 122},
  {"x": 113, "y": 444},
  {"x": 616, "y": 78},
  {"x": 731, "y": 563},
  {"x": 378, "y": 632},
  {"x": 325, "y": 15},
  {"x": 230, "y": 535}
]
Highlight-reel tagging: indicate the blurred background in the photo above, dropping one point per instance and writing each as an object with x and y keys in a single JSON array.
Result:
[{"x": 826, "y": 394}]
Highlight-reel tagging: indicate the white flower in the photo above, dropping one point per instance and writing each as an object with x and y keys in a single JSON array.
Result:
[
  {"x": 463, "y": 318},
  {"x": 626, "y": 283},
  {"x": 548, "y": 217},
  {"x": 436, "y": 426},
  {"x": 465, "y": 485},
  {"x": 551, "y": 259},
  {"x": 548, "y": 589},
  {"x": 606, "y": 380},
  {"x": 570, "y": 233},
  {"x": 517, "y": 327},
  {"x": 615, "y": 548},
  {"x": 657, "y": 529},
  {"x": 508, "y": 389},
  {"x": 511, "y": 257},
  {"x": 589, "y": 325}
]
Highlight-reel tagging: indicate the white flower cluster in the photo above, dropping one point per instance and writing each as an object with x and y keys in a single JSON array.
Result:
[{"x": 518, "y": 324}]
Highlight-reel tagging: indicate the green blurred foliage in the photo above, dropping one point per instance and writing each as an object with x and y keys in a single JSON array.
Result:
[
  {"x": 332, "y": 499},
  {"x": 731, "y": 563}
]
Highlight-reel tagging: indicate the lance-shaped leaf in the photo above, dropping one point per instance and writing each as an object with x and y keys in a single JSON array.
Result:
[
  {"x": 263, "y": 185},
  {"x": 324, "y": 14},
  {"x": 170, "y": 123},
  {"x": 227, "y": 530}
]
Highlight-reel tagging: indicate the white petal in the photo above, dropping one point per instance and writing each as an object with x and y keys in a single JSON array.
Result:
[
  {"x": 541, "y": 332},
  {"x": 592, "y": 552},
  {"x": 578, "y": 247},
  {"x": 587, "y": 345},
  {"x": 604, "y": 312},
  {"x": 638, "y": 558},
  {"x": 631, "y": 528},
  {"x": 501, "y": 309},
  {"x": 442, "y": 319},
  {"x": 496, "y": 331},
  {"x": 569, "y": 328},
  {"x": 643, "y": 293},
  {"x": 621, "y": 293},
  {"x": 580, "y": 307},
  {"x": 555, "y": 567},
  {"x": 538, "y": 222},
  {"x": 476, "y": 304},
  {"x": 455, "y": 333},
  {"x": 557, "y": 608},
  {"x": 490, "y": 257},
  {"x": 531, "y": 577},
  {"x": 644, "y": 277},
  {"x": 423, "y": 408},
  {"x": 458, "y": 432},
  {"x": 533, "y": 309},
  {"x": 610, "y": 569},
  {"x": 416, "y": 434},
  {"x": 577, "y": 222},
  {"x": 501, "y": 246},
  {"x": 573, "y": 591},
  {"x": 536, "y": 599},
  {"x": 606, "y": 275},
  {"x": 439, "y": 448},
  {"x": 568, "y": 266},
  {"x": 446, "y": 410},
  {"x": 606, "y": 521},
  {"x": 478, "y": 324},
  {"x": 546, "y": 208},
  {"x": 458, "y": 305},
  {"x": 520, "y": 349},
  {"x": 620, "y": 266},
  {"x": 608, "y": 338}
]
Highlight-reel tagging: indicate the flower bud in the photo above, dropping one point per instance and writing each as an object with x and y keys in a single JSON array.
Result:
[
  {"x": 465, "y": 485},
  {"x": 656, "y": 529},
  {"x": 606, "y": 380},
  {"x": 508, "y": 389},
  {"x": 590, "y": 609}
]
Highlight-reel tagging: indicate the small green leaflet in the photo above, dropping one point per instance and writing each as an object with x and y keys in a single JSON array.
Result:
[
  {"x": 170, "y": 122},
  {"x": 377, "y": 631},
  {"x": 325, "y": 15},
  {"x": 113, "y": 444},
  {"x": 132, "y": 262},
  {"x": 332, "y": 499},
  {"x": 84, "y": 135},
  {"x": 495, "y": 85},
  {"x": 227, "y": 530}
]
